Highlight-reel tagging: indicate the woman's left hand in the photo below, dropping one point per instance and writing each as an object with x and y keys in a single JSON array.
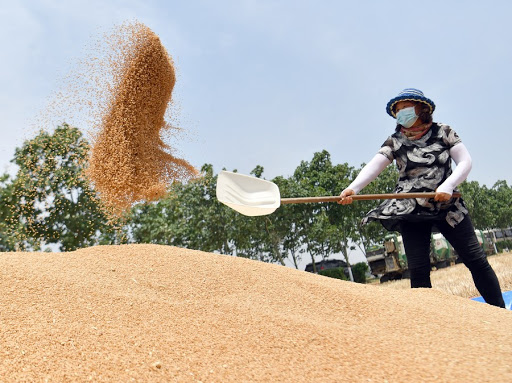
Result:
[{"x": 441, "y": 197}]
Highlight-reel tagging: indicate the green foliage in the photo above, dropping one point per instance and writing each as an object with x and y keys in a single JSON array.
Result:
[
  {"x": 7, "y": 239},
  {"x": 189, "y": 216},
  {"x": 478, "y": 202},
  {"x": 501, "y": 204},
  {"x": 489, "y": 208},
  {"x": 324, "y": 229},
  {"x": 51, "y": 200},
  {"x": 359, "y": 271},
  {"x": 337, "y": 273},
  {"x": 502, "y": 245}
]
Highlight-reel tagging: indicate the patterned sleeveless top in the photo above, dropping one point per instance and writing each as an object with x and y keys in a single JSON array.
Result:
[{"x": 423, "y": 165}]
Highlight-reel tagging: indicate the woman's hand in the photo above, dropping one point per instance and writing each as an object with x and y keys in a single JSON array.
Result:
[
  {"x": 442, "y": 197},
  {"x": 345, "y": 197}
]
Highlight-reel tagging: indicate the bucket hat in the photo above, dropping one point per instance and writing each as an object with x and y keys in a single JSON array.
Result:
[{"x": 409, "y": 94}]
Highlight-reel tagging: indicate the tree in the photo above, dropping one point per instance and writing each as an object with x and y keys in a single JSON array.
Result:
[
  {"x": 501, "y": 204},
  {"x": 7, "y": 200},
  {"x": 286, "y": 222},
  {"x": 360, "y": 270},
  {"x": 189, "y": 216},
  {"x": 157, "y": 223},
  {"x": 478, "y": 201},
  {"x": 55, "y": 203},
  {"x": 325, "y": 228}
]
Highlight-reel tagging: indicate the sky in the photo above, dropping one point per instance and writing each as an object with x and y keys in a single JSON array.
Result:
[{"x": 270, "y": 83}]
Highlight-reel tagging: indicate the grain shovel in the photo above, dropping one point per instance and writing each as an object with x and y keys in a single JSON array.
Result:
[{"x": 253, "y": 196}]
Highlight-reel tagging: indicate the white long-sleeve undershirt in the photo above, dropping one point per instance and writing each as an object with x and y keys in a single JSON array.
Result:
[
  {"x": 463, "y": 163},
  {"x": 372, "y": 169},
  {"x": 379, "y": 162}
]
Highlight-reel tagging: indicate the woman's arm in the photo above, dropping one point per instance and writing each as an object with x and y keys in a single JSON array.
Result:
[
  {"x": 462, "y": 159},
  {"x": 372, "y": 169}
]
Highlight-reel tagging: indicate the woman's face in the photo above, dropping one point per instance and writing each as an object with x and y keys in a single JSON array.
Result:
[{"x": 407, "y": 104}]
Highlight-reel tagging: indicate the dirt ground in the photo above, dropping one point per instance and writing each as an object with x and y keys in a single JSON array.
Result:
[{"x": 150, "y": 313}]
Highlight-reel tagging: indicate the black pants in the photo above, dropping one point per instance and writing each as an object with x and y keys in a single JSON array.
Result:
[{"x": 416, "y": 237}]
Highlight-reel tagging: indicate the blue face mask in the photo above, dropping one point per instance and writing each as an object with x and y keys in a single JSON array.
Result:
[{"x": 406, "y": 117}]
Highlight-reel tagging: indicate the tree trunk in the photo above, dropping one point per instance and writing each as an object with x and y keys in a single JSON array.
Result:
[
  {"x": 345, "y": 254},
  {"x": 277, "y": 253},
  {"x": 295, "y": 259},
  {"x": 313, "y": 261}
]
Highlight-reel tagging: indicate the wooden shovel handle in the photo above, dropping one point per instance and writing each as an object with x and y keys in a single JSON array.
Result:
[{"x": 361, "y": 197}]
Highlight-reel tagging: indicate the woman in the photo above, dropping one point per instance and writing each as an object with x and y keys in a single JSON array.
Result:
[{"x": 423, "y": 151}]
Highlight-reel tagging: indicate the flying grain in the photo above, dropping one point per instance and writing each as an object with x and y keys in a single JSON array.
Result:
[{"x": 129, "y": 160}]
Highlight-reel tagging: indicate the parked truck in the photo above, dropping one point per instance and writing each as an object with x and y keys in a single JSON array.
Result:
[
  {"x": 389, "y": 261},
  {"x": 442, "y": 253},
  {"x": 499, "y": 239}
]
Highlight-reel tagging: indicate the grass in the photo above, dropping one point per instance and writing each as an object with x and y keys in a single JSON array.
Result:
[{"x": 457, "y": 279}]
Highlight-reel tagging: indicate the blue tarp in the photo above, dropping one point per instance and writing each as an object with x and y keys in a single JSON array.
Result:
[{"x": 507, "y": 297}]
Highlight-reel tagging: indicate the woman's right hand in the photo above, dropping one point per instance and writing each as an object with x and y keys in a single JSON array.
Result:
[{"x": 345, "y": 197}]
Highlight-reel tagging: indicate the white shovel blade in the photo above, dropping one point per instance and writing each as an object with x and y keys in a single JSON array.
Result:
[{"x": 247, "y": 195}]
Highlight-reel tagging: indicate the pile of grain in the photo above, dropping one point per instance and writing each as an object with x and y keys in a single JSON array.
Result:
[
  {"x": 129, "y": 161},
  {"x": 150, "y": 313}
]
